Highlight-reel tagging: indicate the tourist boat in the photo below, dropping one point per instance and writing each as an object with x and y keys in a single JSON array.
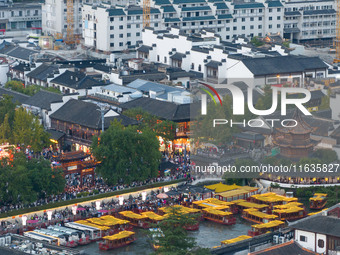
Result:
[
  {"x": 115, "y": 224},
  {"x": 212, "y": 203},
  {"x": 182, "y": 210},
  {"x": 290, "y": 211},
  {"x": 225, "y": 218},
  {"x": 271, "y": 199},
  {"x": 263, "y": 228},
  {"x": 63, "y": 239},
  {"x": 255, "y": 216},
  {"x": 78, "y": 236},
  {"x": 135, "y": 219},
  {"x": 318, "y": 201},
  {"x": 152, "y": 217},
  {"x": 121, "y": 239},
  {"x": 235, "y": 240},
  {"x": 314, "y": 213},
  {"x": 95, "y": 232},
  {"x": 246, "y": 205}
]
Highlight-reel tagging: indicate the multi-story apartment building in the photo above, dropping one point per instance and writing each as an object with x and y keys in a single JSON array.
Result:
[
  {"x": 115, "y": 28},
  {"x": 310, "y": 21},
  {"x": 54, "y": 14},
  {"x": 120, "y": 27},
  {"x": 19, "y": 16}
]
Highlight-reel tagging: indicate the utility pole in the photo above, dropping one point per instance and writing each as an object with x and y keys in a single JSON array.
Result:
[{"x": 103, "y": 109}]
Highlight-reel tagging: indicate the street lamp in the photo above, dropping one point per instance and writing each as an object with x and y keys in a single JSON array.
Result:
[
  {"x": 24, "y": 220},
  {"x": 144, "y": 195},
  {"x": 98, "y": 205},
  {"x": 74, "y": 210},
  {"x": 49, "y": 215},
  {"x": 121, "y": 200}
]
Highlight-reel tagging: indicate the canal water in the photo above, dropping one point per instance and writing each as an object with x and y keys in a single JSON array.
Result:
[{"x": 210, "y": 234}]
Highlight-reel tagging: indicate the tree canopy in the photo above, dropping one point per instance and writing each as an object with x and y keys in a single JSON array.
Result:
[
  {"x": 28, "y": 90},
  {"x": 127, "y": 153},
  {"x": 19, "y": 126},
  {"x": 174, "y": 239},
  {"x": 164, "y": 128},
  {"x": 24, "y": 181}
]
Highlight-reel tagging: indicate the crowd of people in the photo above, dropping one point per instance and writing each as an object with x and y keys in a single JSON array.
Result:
[{"x": 92, "y": 185}]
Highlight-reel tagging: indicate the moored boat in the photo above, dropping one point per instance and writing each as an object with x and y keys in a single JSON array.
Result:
[
  {"x": 115, "y": 241},
  {"x": 318, "y": 201},
  {"x": 225, "y": 218},
  {"x": 255, "y": 216},
  {"x": 263, "y": 228}
]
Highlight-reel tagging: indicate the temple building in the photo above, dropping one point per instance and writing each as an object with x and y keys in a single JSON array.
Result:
[{"x": 294, "y": 142}]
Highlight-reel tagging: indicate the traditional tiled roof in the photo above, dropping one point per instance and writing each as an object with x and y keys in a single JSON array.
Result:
[{"x": 43, "y": 99}]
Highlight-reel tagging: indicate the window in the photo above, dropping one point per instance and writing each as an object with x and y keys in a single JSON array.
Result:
[
  {"x": 260, "y": 18},
  {"x": 278, "y": 26},
  {"x": 112, "y": 44},
  {"x": 251, "y": 27},
  {"x": 278, "y": 18},
  {"x": 137, "y": 25},
  {"x": 201, "y": 23},
  {"x": 112, "y": 27},
  {"x": 210, "y": 22},
  {"x": 184, "y": 24},
  {"x": 278, "y": 9},
  {"x": 121, "y": 27},
  {"x": 227, "y": 37},
  {"x": 156, "y": 24},
  {"x": 251, "y": 19},
  {"x": 137, "y": 34},
  {"x": 270, "y": 10},
  {"x": 165, "y": 60},
  {"x": 243, "y": 27},
  {"x": 137, "y": 17},
  {"x": 260, "y": 26},
  {"x": 219, "y": 22},
  {"x": 112, "y": 36},
  {"x": 193, "y": 23},
  {"x": 234, "y": 28},
  {"x": 270, "y": 26},
  {"x": 251, "y": 10},
  {"x": 112, "y": 19},
  {"x": 128, "y": 34},
  {"x": 227, "y": 29},
  {"x": 303, "y": 239},
  {"x": 321, "y": 243},
  {"x": 192, "y": 66},
  {"x": 156, "y": 16},
  {"x": 243, "y": 19},
  {"x": 157, "y": 58},
  {"x": 260, "y": 10},
  {"x": 199, "y": 68},
  {"x": 121, "y": 44},
  {"x": 128, "y": 26},
  {"x": 128, "y": 17},
  {"x": 121, "y": 35},
  {"x": 235, "y": 20},
  {"x": 270, "y": 18},
  {"x": 121, "y": 18}
]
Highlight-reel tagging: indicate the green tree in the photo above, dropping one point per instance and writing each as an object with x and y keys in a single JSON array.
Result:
[
  {"x": 174, "y": 239},
  {"x": 23, "y": 180},
  {"x": 326, "y": 155},
  {"x": 28, "y": 131},
  {"x": 7, "y": 107},
  {"x": 256, "y": 41},
  {"x": 325, "y": 101},
  {"x": 203, "y": 130},
  {"x": 164, "y": 128},
  {"x": 126, "y": 154},
  {"x": 5, "y": 130}
]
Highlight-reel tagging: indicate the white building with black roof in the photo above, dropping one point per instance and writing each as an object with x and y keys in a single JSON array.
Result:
[{"x": 319, "y": 233}]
